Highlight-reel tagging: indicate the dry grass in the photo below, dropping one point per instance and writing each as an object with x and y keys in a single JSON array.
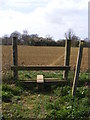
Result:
[{"x": 30, "y": 55}]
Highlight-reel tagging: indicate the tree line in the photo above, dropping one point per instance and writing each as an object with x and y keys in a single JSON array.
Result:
[{"x": 35, "y": 40}]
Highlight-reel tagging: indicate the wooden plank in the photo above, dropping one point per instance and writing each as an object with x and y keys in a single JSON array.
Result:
[
  {"x": 15, "y": 57},
  {"x": 52, "y": 79},
  {"x": 53, "y": 82},
  {"x": 40, "y": 82},
  {"x": 78, "y": 64},
  {"x": 40, "y": 68},
  {"x": 47, "y": 81},
  {"x": 40, "y": 79},
  {"x": 67, "y": 58}
]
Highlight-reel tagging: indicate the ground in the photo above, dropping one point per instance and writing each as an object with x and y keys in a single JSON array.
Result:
[{"x": 55, "y": 103}]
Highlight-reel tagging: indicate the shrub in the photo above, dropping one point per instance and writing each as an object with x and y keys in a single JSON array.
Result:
[
  {"x": 13, "y": 89},
  {"x": 6, "y": 96}
]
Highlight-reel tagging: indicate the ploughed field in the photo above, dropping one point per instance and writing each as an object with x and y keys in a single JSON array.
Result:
[{"x": 32, "y": 55}]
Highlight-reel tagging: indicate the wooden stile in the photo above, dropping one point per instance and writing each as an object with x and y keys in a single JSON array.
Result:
[{"x": 16, "y": 68}]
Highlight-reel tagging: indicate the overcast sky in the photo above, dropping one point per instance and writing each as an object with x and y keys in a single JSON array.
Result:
[{"x": 44, "y": 17}]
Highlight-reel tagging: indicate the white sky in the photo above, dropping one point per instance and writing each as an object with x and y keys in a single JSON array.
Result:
[{"x": 44, "y": 17}]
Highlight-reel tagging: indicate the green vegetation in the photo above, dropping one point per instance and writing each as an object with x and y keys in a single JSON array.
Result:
[
  {"x": 55, "y": 104},
  {"x": 26, "y": 75}
]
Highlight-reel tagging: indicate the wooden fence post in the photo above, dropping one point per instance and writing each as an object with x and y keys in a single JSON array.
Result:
[
  {"x": 78, "y": 64},
  {"x": 67, "y": 58},
  {"x": 15, "y": 57}
]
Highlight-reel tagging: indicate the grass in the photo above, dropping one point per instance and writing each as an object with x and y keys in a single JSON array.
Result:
[
  {"x": 56, "y": 104},
  {"x": 26, "y": 75}
]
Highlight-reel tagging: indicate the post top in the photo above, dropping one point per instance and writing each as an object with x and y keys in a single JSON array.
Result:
[
  {"x": 82, "y": 42},
  {"x": 68, "y": 39},
  {"x": 16, "y": 34}
]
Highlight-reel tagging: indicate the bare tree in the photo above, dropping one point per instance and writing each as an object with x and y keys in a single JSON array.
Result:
[
  {"x": 69, "y": 34},
  {"x": 25, "y": 32}
]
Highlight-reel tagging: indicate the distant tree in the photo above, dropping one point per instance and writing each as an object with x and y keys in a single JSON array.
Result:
[
  {"x": 25, "y": 32},
  {"x": 75, "y": 41},
  {"x": 6, "y": 40},
  {"x": 48, "y": 37},
  {"x": 34, "y": 36},
  {"x": 69, "y": 35},
  {"x": 25, "y": 37},
  {"x": 61, "y": 43},
  {"x": 34, "y": 40}
]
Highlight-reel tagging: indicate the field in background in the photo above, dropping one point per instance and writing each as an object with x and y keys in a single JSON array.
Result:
[{"x": 32, "y": 55}]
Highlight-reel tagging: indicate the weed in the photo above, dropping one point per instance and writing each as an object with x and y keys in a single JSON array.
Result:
[
  {"x": 6, "y": 96},
  {"x": 15, "y": 90}
]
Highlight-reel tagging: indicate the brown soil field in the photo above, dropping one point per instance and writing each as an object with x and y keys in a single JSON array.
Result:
[{"x": 32, "y": 55}]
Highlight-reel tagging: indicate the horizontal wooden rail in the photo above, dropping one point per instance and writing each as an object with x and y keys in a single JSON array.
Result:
[
  {"x": 46, "y": 81},
  {"x": 40, "y": 67}
]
